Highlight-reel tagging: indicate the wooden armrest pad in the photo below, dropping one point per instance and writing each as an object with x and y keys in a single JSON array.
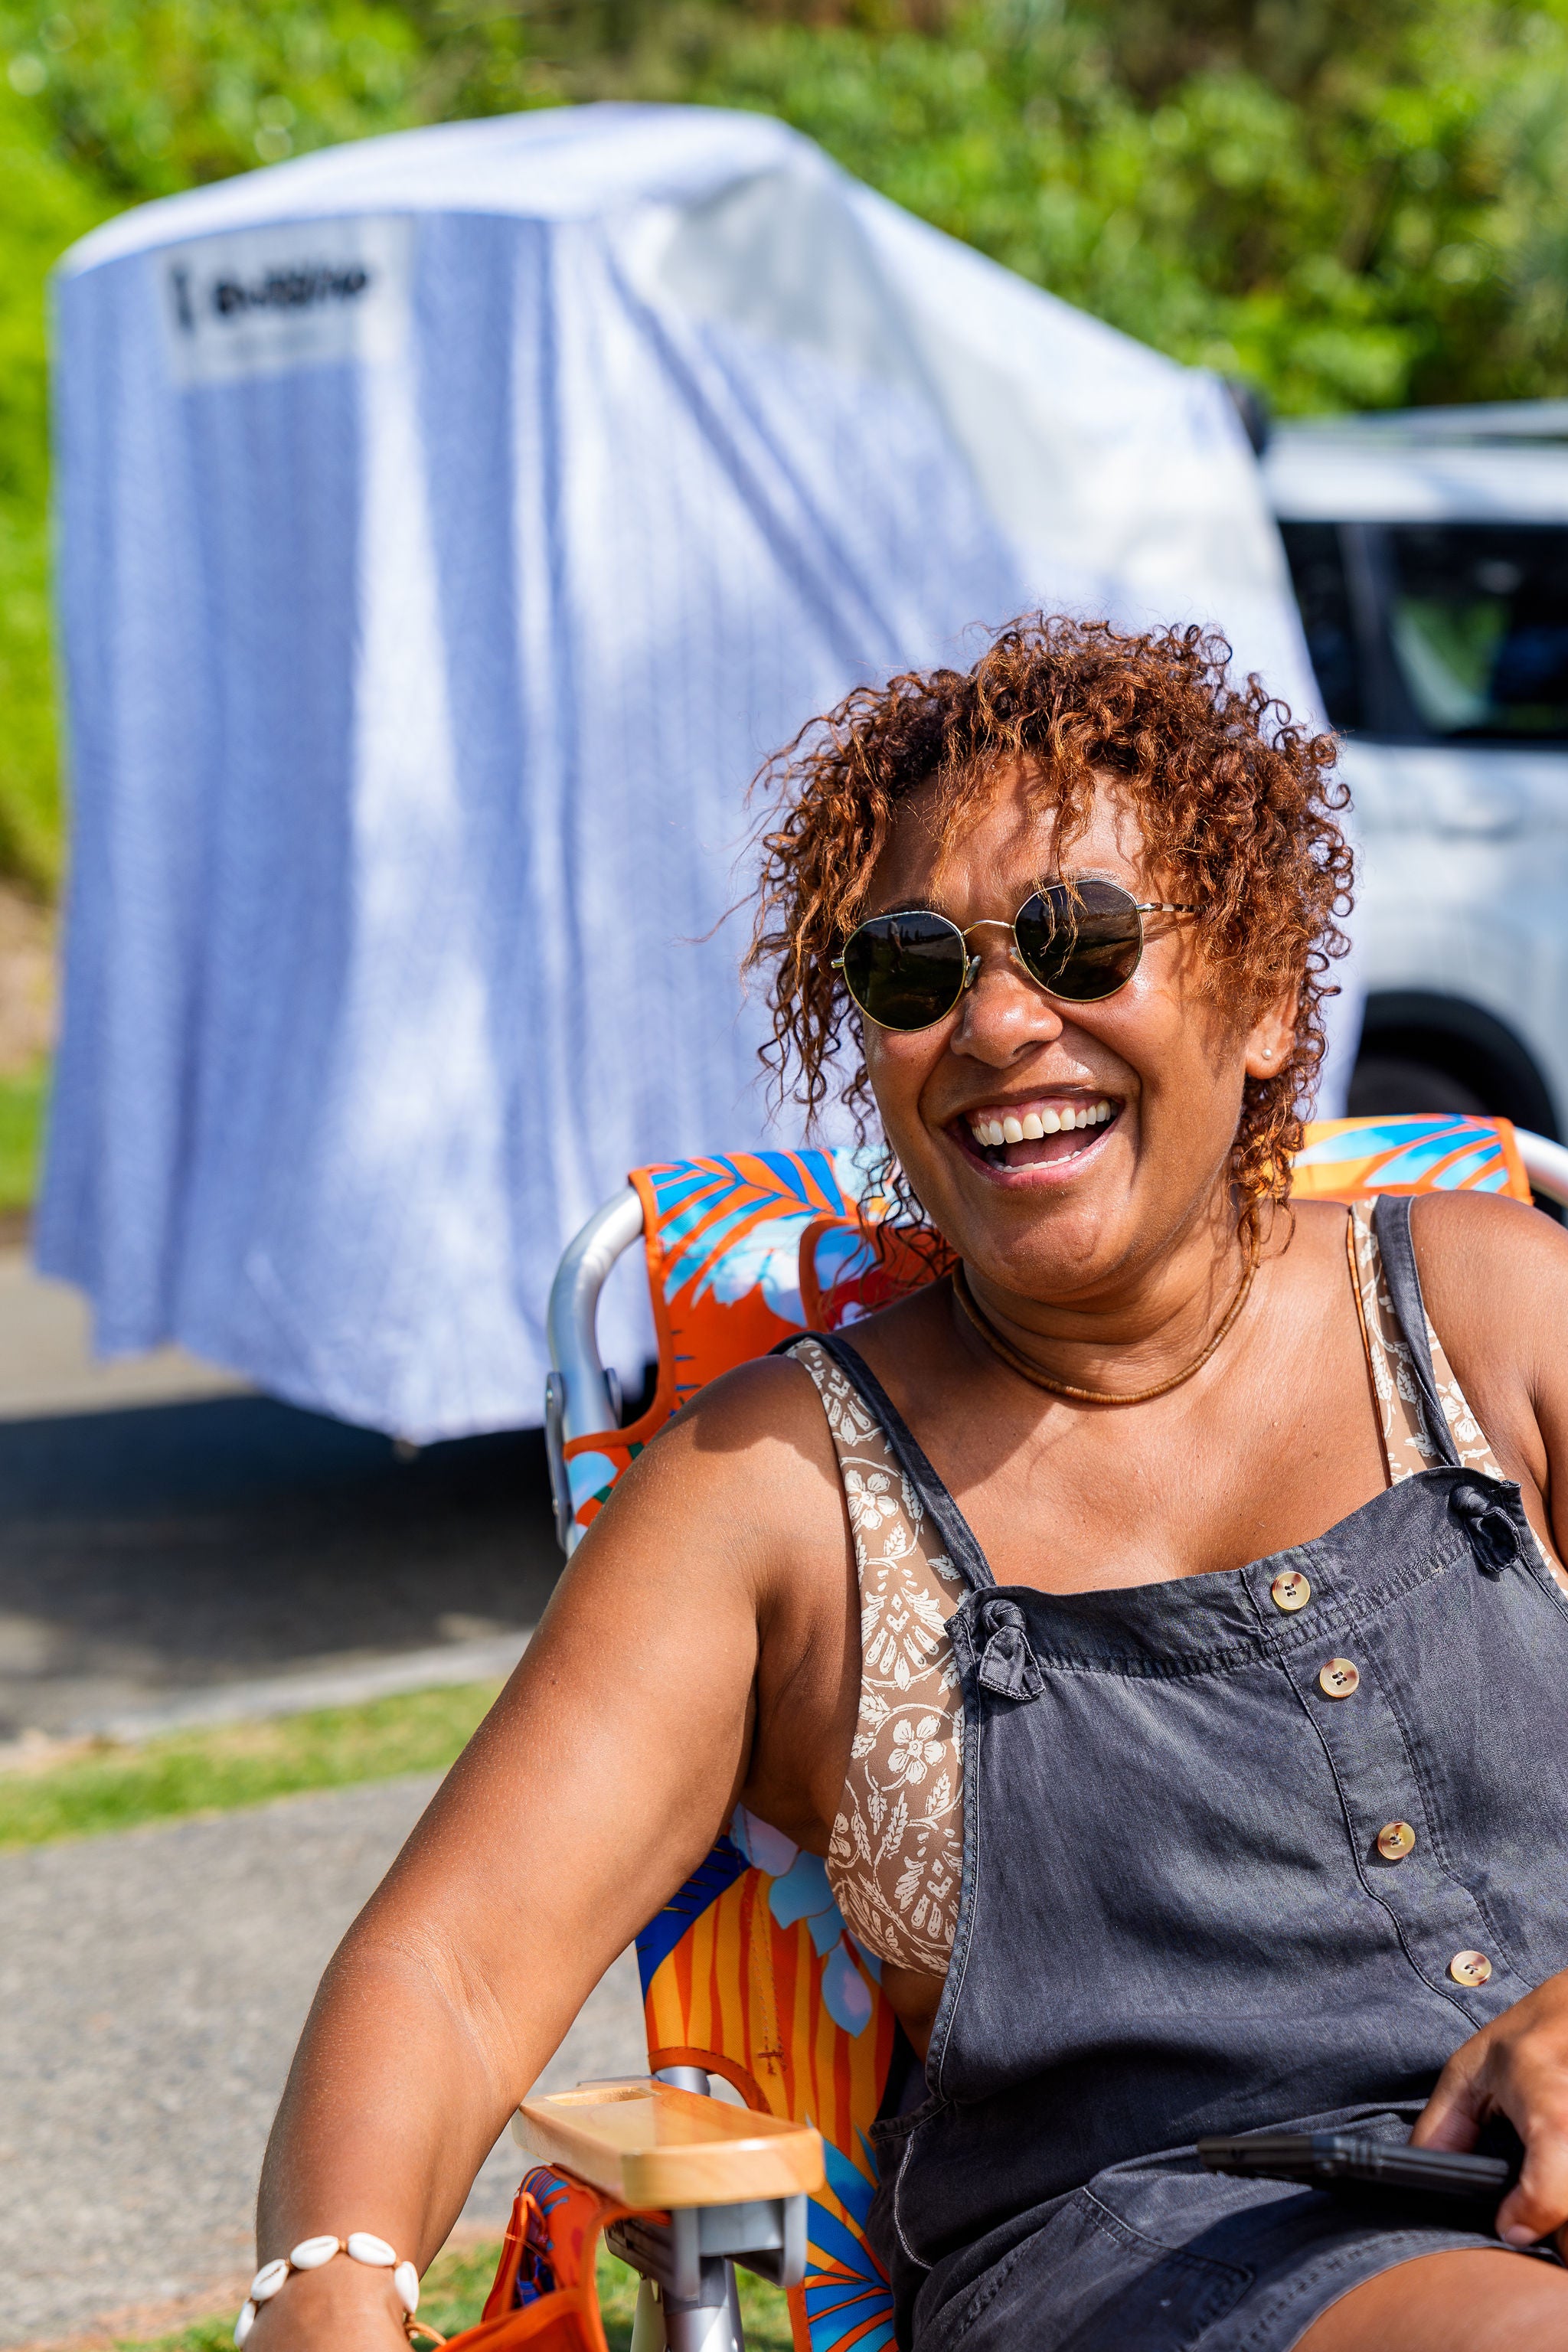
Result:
[{"x": 652, "y": 2146}]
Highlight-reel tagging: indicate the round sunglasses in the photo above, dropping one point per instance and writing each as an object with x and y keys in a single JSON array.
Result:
[{"x": 1081, "y": 940}]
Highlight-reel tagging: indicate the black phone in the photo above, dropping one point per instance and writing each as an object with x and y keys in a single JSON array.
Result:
[{"x": 1356, "y": 2164}]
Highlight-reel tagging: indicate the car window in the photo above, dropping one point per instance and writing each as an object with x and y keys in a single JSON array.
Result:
[
  {"x": 1478, "y": 626},
  {"x": 1317, "y": 561}
]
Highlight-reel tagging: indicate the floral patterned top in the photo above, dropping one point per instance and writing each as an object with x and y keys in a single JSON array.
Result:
[{"x": 896, "y": 1857}]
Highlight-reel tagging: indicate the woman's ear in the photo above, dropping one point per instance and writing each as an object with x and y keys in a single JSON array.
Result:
[{"x": 1271, "y": 1036}]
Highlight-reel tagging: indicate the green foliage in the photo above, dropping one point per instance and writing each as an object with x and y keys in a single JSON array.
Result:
[
  {"x": 458, "y": 2282},
  {"x": 147, "y": 97},
  {"x": 1372, "y": 216},
  {"x": 113, "y": 102},
  {"x": 44, "y": 205},
  {"x": 21, "y": 1136},
  {"x": 1349, "y": 206},
  {"x": 114, "y": 1787}
]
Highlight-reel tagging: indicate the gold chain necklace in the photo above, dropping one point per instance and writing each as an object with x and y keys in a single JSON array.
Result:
[{"x": 1026, "y": 1371}]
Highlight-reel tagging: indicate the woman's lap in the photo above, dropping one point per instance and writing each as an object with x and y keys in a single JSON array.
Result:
[{"x": 1166, "y": 2257}]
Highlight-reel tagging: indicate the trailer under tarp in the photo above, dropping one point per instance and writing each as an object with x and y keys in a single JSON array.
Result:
[{"x": 448, "y": 526}]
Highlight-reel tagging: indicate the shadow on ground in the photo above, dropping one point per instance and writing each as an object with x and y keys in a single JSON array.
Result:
[{"x": 152, "y": 1550}]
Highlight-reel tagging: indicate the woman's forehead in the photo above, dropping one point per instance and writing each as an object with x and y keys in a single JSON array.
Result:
[{"x": 1008, "y": 830}]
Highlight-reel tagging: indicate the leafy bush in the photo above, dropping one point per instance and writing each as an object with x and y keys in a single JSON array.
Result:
[{"x": 21, "y": 1136}]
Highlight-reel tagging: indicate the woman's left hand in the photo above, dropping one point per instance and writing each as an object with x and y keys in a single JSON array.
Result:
[{"x": 1517, "y": 2067}]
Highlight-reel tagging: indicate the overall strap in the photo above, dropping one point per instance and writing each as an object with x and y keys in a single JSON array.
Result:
[
  {"x": 962, "y": 1547},
  {"x": 1391, "y": 1228}
]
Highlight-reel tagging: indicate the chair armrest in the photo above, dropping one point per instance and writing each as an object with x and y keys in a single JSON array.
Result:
[{"x": 657, "y": 2148}]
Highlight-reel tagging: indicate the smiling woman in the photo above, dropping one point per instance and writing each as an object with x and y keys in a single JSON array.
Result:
[
  {"x": 1237, "y": 818},
  {"x": 1153, "y": 1621}
]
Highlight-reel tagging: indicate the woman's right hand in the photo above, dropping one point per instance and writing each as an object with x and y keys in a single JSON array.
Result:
[{"x": 342, "y": 2307}]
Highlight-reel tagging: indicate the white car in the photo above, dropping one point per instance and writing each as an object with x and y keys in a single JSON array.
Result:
[{"x": 1429, "y": 552}]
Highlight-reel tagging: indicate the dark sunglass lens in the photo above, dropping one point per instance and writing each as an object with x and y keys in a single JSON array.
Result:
[
  {"x": 1082, "y": 943},
  {"x": 905, "y": 971}
]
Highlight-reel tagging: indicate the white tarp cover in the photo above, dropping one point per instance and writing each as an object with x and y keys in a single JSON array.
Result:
[{"x": 449, "y": 525}]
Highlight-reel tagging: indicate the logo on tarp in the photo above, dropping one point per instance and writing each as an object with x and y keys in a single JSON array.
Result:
[{"x": 261, "y": 301}]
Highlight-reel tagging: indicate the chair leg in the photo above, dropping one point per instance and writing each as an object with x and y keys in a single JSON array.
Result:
[
  {"x": 648, "y": 2327},
  {"x": 663, "y": 2323},
  {"x": 711, "y": 2321}
]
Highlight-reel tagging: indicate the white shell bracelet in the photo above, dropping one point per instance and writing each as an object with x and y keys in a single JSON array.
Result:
[{"x": 310, "y": 2255}]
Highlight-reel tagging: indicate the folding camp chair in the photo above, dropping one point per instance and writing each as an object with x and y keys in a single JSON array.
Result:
[{"x": 749, "y": 1973}]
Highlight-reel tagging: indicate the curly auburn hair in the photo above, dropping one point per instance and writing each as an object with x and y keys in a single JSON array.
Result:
[{"x": 1237, "y": 806}]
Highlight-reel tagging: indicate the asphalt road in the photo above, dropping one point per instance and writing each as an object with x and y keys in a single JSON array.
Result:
[
  {"x": 151, "y": 1989},
  {"x": 162, "y": 1535}
]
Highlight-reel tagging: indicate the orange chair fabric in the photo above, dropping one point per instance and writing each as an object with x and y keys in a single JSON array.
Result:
[{"x": 544, "y": 2294}]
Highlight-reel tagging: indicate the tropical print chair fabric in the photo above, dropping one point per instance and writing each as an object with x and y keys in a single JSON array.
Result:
[
  {"x": 1348, "y": 1158},
  {"x": 751, "y": 1973},
  {"x": 723, "y": 1239},
  {"x": 750, "y": 1970},
  {"x": 747, "y": 1249}
]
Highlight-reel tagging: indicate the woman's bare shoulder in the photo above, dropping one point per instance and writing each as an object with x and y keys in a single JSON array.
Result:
[
  {"x": 1482, "y": 1257},
  {"x": 752, "y": 1453},
  {"x": 1494, "y": 1274}
]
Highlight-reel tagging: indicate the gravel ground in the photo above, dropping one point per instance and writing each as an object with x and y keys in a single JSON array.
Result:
[{"x": 151, "y": 1989}]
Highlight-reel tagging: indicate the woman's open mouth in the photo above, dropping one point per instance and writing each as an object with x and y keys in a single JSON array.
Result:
[{"x": 1037, "y": 1133}]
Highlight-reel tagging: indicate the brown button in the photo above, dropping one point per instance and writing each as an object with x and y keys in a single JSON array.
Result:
[
  {"x": 1470, "y": 1967},
  {"x": 1290, "y": 1589},
  {"x": 1338, "y": 1677},
  {"x": 1395, "y": 1839}
]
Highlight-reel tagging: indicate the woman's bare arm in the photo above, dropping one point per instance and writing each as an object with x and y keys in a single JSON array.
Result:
[
  {"x": 593, "y": 1788},
  {"x": 1495, "y": 1278}
]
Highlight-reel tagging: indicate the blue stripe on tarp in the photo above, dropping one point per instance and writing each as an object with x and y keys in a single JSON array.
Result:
[{"x": 720, "y": 1869}]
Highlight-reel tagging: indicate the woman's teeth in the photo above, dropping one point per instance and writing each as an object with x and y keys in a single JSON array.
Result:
[{"x": 991, "y": 1133}]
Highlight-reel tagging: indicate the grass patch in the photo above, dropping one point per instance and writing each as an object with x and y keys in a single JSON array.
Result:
[
  {"x": 22, "y": 1100},
  {"x": 457, "y": 2283},
  {"x": 114, "y": 1787}
]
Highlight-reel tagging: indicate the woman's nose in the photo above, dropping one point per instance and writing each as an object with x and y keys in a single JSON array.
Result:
[{"x": 1004, "y": 1013}]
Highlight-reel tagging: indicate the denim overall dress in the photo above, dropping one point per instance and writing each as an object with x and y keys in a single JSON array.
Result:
[{"x": 1175, "y": 1917}]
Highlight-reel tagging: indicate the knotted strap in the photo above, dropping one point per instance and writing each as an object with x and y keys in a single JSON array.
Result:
[
  {"x": 1007, "y": 1665},
  {"x": 1490, "y": 1528}
]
